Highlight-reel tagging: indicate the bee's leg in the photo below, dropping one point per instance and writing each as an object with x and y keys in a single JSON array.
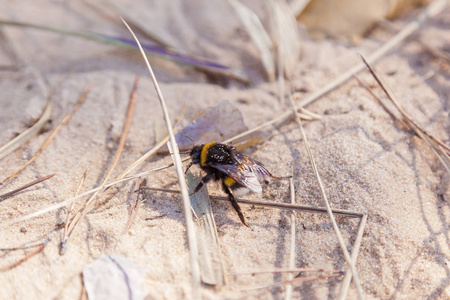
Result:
[
  {"x": 235, "y": 205},
  {"x": 201, "y": 183},
  {"x": 189, "y": 165}
]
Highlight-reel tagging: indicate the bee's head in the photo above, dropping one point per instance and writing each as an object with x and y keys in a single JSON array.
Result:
[{"x": 195, "y": 154}]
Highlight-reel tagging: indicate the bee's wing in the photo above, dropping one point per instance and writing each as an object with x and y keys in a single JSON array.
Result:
[
  {"x": 243, "y": 174},
  {"x": 258, "y": 168}
]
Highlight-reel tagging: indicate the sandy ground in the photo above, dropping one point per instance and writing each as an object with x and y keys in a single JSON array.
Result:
[{"x": 368, "y": 162}]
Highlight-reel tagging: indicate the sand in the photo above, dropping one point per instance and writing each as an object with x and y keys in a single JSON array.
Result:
[{"x": 368, "y": 163}]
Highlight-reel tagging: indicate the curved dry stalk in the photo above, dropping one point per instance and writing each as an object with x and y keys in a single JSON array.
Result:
[
  {"x": 195, "y": 276},
  {"x": 47, "y": 141}
]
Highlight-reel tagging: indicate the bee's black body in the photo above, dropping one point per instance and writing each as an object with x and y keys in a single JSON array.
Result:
[{"x": 223, "y": 163}]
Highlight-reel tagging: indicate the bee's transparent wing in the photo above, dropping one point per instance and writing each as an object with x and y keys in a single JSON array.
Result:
[
  {"x": 243, "y": 174},
  {"x": 258, "y": 168}
]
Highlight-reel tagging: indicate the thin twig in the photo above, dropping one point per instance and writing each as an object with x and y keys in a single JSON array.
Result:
[
  {"x": 195, "y": 278},
  {"x": 292, "y": 253},
  {"x": 12, "y": 193},
  {"x": 47, "y": 141},
  {"x": 348, "y": 275},
  {"x": 327, "y": 204},
  {"x": 287, "y": 206}
]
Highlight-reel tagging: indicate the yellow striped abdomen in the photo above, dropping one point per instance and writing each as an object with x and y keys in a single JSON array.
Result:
[{"x": 204, "y": 154}]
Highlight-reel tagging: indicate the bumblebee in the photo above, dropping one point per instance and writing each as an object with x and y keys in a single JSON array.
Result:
[{"x": 223, "y": 163}]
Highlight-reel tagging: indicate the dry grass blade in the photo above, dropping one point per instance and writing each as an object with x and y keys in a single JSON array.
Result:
[
  {"x": 292, "y": 253},
  {"x": 28, "y": 256},
  {"x": 178, "y": 166},
  {"x": 287, "y": 206},
  {"x": 63, "y": 246},
  {"x": 12, "y": 193},
  {"x": 126, "y": 127},
  {"x": 71, "y": 200},
  {"x": 439, "y": 148},
  {"x": 27, "y": 134},
  {"x": 259, "y": 36},
  {"x": 327, "y": 204},
  {"x": 66, "y": 119},
  {"x": 210, "y": 255},
  {"x": 348, "y": 275}
]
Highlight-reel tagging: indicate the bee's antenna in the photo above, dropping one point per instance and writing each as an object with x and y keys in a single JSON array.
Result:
[{"x": 193, "y": 142}]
